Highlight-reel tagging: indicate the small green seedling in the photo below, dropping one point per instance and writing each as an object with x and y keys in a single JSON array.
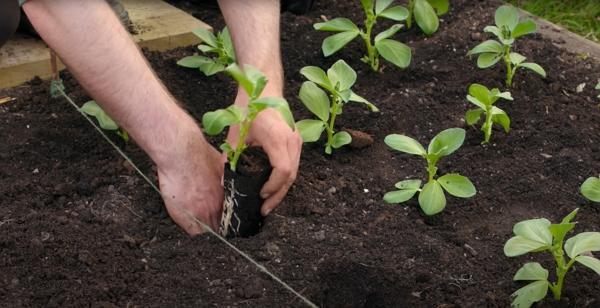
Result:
[
  {"x": 425, "y": 14},
  {"x": 221, "y": 44},
  {"x": 537, "y": 235},
  {"x": 253, "y": 82},
  {"x": 431, "y": 197},
  {"x": 483, "y": 98},
  {"x": 393, "y": 51},
  {"x": 92, "y": 108},
  {"x": 591, "y": 189},
  {"x": 598, "y": 88},
  {"x": 507, "y": 29},
  {"x": 338, "y": 80}
]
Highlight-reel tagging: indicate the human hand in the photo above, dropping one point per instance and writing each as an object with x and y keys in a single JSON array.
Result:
[
  {"x": 192, "y": 179},
  {"x": 283, "y": 146}
]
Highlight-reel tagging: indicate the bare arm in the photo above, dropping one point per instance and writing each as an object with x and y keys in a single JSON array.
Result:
[
  {"x": 254, "y": 28},
  {"x": 99, "y": 52}
]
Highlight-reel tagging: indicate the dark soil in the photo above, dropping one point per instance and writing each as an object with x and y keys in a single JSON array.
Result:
[{"x": 81, "y": 229}]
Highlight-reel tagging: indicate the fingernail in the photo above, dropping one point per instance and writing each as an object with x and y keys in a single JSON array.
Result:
[{"x": 267, "y": 212}]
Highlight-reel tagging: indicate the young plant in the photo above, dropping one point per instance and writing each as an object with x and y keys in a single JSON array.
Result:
[
  {"x": 591, "y": 189},
  {"x": 92, "y": 108},
  {"x": 483, "y": 98},
  {"x": 598, "y": 88},
  {"x": 425, "y": 14},
  {"x": 338, "y": 80},
  {"x": 537, "y": 235},
  {"x": 253, "y": 82},
  {"x": 221, "y": 44},
  {"x": 393, "y": 51},
  {"x": 431, "y": 196},
  {"x": 507, "y": 29}
]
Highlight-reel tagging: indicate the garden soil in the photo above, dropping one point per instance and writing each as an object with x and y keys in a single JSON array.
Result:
[{"x": 79, "y": 227}]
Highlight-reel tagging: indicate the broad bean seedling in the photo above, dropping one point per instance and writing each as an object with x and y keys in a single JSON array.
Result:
[
  {"x": 253, "y": 81},
  {"x": 431, "y": 196},
  {"x": 483, "y": 98},
  {"x": 221, "y": 44},
  {"x": 393, "y": 51},
  {"x": 106, "y": 122},
  {"x": 338, "y": 80},
  {"x": 537, "y": 235},
  {"x": 507, "y": 29}
]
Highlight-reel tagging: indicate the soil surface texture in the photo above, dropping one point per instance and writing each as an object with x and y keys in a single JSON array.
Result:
[{"x": 80, "y": 228}]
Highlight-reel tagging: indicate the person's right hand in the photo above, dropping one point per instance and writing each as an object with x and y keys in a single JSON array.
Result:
[{"x": 192, "y": 179}]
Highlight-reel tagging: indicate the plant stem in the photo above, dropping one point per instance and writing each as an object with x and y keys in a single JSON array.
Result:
[
  {"x": 509, "y": 70},
  {"x": 334, "y": 106},
  {"x": 243, "y": 130},
  {"x": 431, "y": 169},
  {"x": 411, "y": 8},
  {"x": 488, "y": 123},
  {"x": 371, "y": 50},
  {"x": 561, "y": 270}
]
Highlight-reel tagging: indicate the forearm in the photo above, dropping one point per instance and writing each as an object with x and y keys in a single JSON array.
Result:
[
  {"x": 99, "y": 52},
  {"x": 254, "y": 28}
]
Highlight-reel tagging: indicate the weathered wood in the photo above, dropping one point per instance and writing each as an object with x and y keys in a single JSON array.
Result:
[{"x": 159, "y": 26}]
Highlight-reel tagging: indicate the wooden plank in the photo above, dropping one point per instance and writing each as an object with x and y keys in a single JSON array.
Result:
[{"x": 159, "y": 26}]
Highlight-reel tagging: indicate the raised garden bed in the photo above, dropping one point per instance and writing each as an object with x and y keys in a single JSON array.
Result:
[{"x": 78, "y": 227}]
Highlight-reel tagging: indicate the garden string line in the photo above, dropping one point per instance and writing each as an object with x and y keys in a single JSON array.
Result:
[{"x": 205, "y": 227}]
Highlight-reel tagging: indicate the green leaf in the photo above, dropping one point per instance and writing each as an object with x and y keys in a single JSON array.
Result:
[
  {"x": 207, "y": 49},
  {"x": 582, "y": 242},
  {"x": 399, "y": 196},
  {"x": 215, "y": 121},
  {"x": 426, "y": 17},
  {"x": 516, "y": 58},
  {"x": 315, "y": 99},
  {"x": 381, "y": 5},
  {"x": 500, "y": 117},
  {"x": 489, "y": 46},
  {"x": 432, "y": 199},
  {"x": 337, "y": 25},
  {"x": 228, "y": 44},
  {"x": 211, "y": 68},
  {"x": 504, "y": 95},
  {"x": 194, "y": 61},
  {"x": 598, "y": 86},
  {"x": 409, "y": 184},
  {"x": 526, "y": 26},
  {"x": 341, "y": 73},
  {"x": 257, "y": 78},
  {"x": 280, "y": 105},
  {"x": 441, "y": 6},
  {"x": 340, "y": 139},
  {"x": 355, "y": 98},
  {"x": 226, "y": 147},
  {"x": 206, "y": 36},
  {"x": 534, "y": 67},
  {"x": 590, "y": 262},
  {"x": 529, "y": 294},
  {"x": 367, "y": 4},
  {"x": 104, "y": 120},
  {"x": 318, "y": 76},
  {"x": 481, "y": 94},
  {"x": 476, "y": 102},
  {"x": 451, "y": 138},
  {"x": 388, "y": 33},
  {"x": 531, "y": 271},
  {"x": 236, "y": 72},
  {"x": 559, "y": 231},
  {"x": 506, "y": 16},
  {"x": 486, "y": 60},
  {"x": 395, "y": 52},
  {"x": 535, "y": 229},
  {"x": 591, "y": 189},
  {"x": 404, "y": 144},
  {"x": 493, "y": 29},
  {"x": 310, "y": 130},
  {"x": 518, "y": 245},
  {"x": 396, "y": 13},
  {"x": 473, "y": 116},
  {"x": 568, "y": 218},
  {"x": 457, "y": 185},
  {"x": 337, "y": 41}
]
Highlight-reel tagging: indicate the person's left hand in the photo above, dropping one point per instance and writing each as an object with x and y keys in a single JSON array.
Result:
[{"x": 283, "y": 146}]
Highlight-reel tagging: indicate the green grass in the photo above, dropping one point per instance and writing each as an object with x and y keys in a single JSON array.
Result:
[{"x": 578, "y": 16}]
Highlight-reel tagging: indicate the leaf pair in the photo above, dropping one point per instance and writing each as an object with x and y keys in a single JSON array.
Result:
[
  {"x": 337, "y": 81},
  {"x": 106, "y": 122},
  {"x": 393, "y": 51},
  {"x": 537, "y": 235},
  {"x": 483, "y": 98},
  {"x": 221, "y": 44},
  {"x": 426, "y": 15},
  {"x": 431, "y": 198}
]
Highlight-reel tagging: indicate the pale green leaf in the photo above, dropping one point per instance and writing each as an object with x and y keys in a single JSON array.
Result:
[
  {"x": 387, "y": 33},
  {"x": 493, "y": 29},
  {"x": 504, "y": 95},
  {"x": 451, "y": 138},
  {"x": 404, "y": 144},
  {"x": 211, "y": 68},
  {"x": 489, "y": 46},
  {"x": 519, "y": 245},
  {"x": 531, "y": 271},
  {"x": 315, "y": 99},
  {"x": 310, "y": 130},
  {"x": 396, "y": 13},
  {"x": 207, "y": 49},
  {"x": 486, "y": 60},
  {"x": 341, "y": 73},
  {"x": 441, "y": 6},
  {"x": 228, "y": 44},
  {"x": 206, "y": 36},
  {"x": 399, "y": 196},
  {"x": 506, "y": 16},
  {"x": 337, "y": 25},
  {"x": 426, "y": 17},
  {"x": 534, "y": 229},
  {"x": 590, "y": 262},
  {"x": 432, "y": 199},
  {"x": 395, "y": 52},
  {"x": 516, "y": 58},
  {"x": 559, "y": 231},
  {"x": 500, "y": 117},
  {"x": 104, "y": 120},
  {"x": 236, "y": 72},
  {"x": 457, "y": 185},
  {"x": 409, "y": 184},
  {"x": 582, "y": 242},
  {"x": 359, "y": 99},
  {"x": 534, "y": 67},
  {"x": 318, "y": 76},
  {"x": 529, "y": 294},
  {"x": 340, "y": 139},
  {"x": 481, "y": 93},
  {"x": 591, "y": 189},
  {"x": 280, "y": 105},
  {"x": 257, "y": 78},
  {"x": 526, "y": 26},
  {"x": 473, "y": 116},
  {"x": 381, "y": 5},
  {"x": 476, "y": 102},
  {"x": 194, "y": 61},
  {"x": 337, "y": 41},
  {"x": 215, "y": 121}
]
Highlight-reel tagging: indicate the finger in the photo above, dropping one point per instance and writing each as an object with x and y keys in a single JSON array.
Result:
[{"x": 273, "y": 201}]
